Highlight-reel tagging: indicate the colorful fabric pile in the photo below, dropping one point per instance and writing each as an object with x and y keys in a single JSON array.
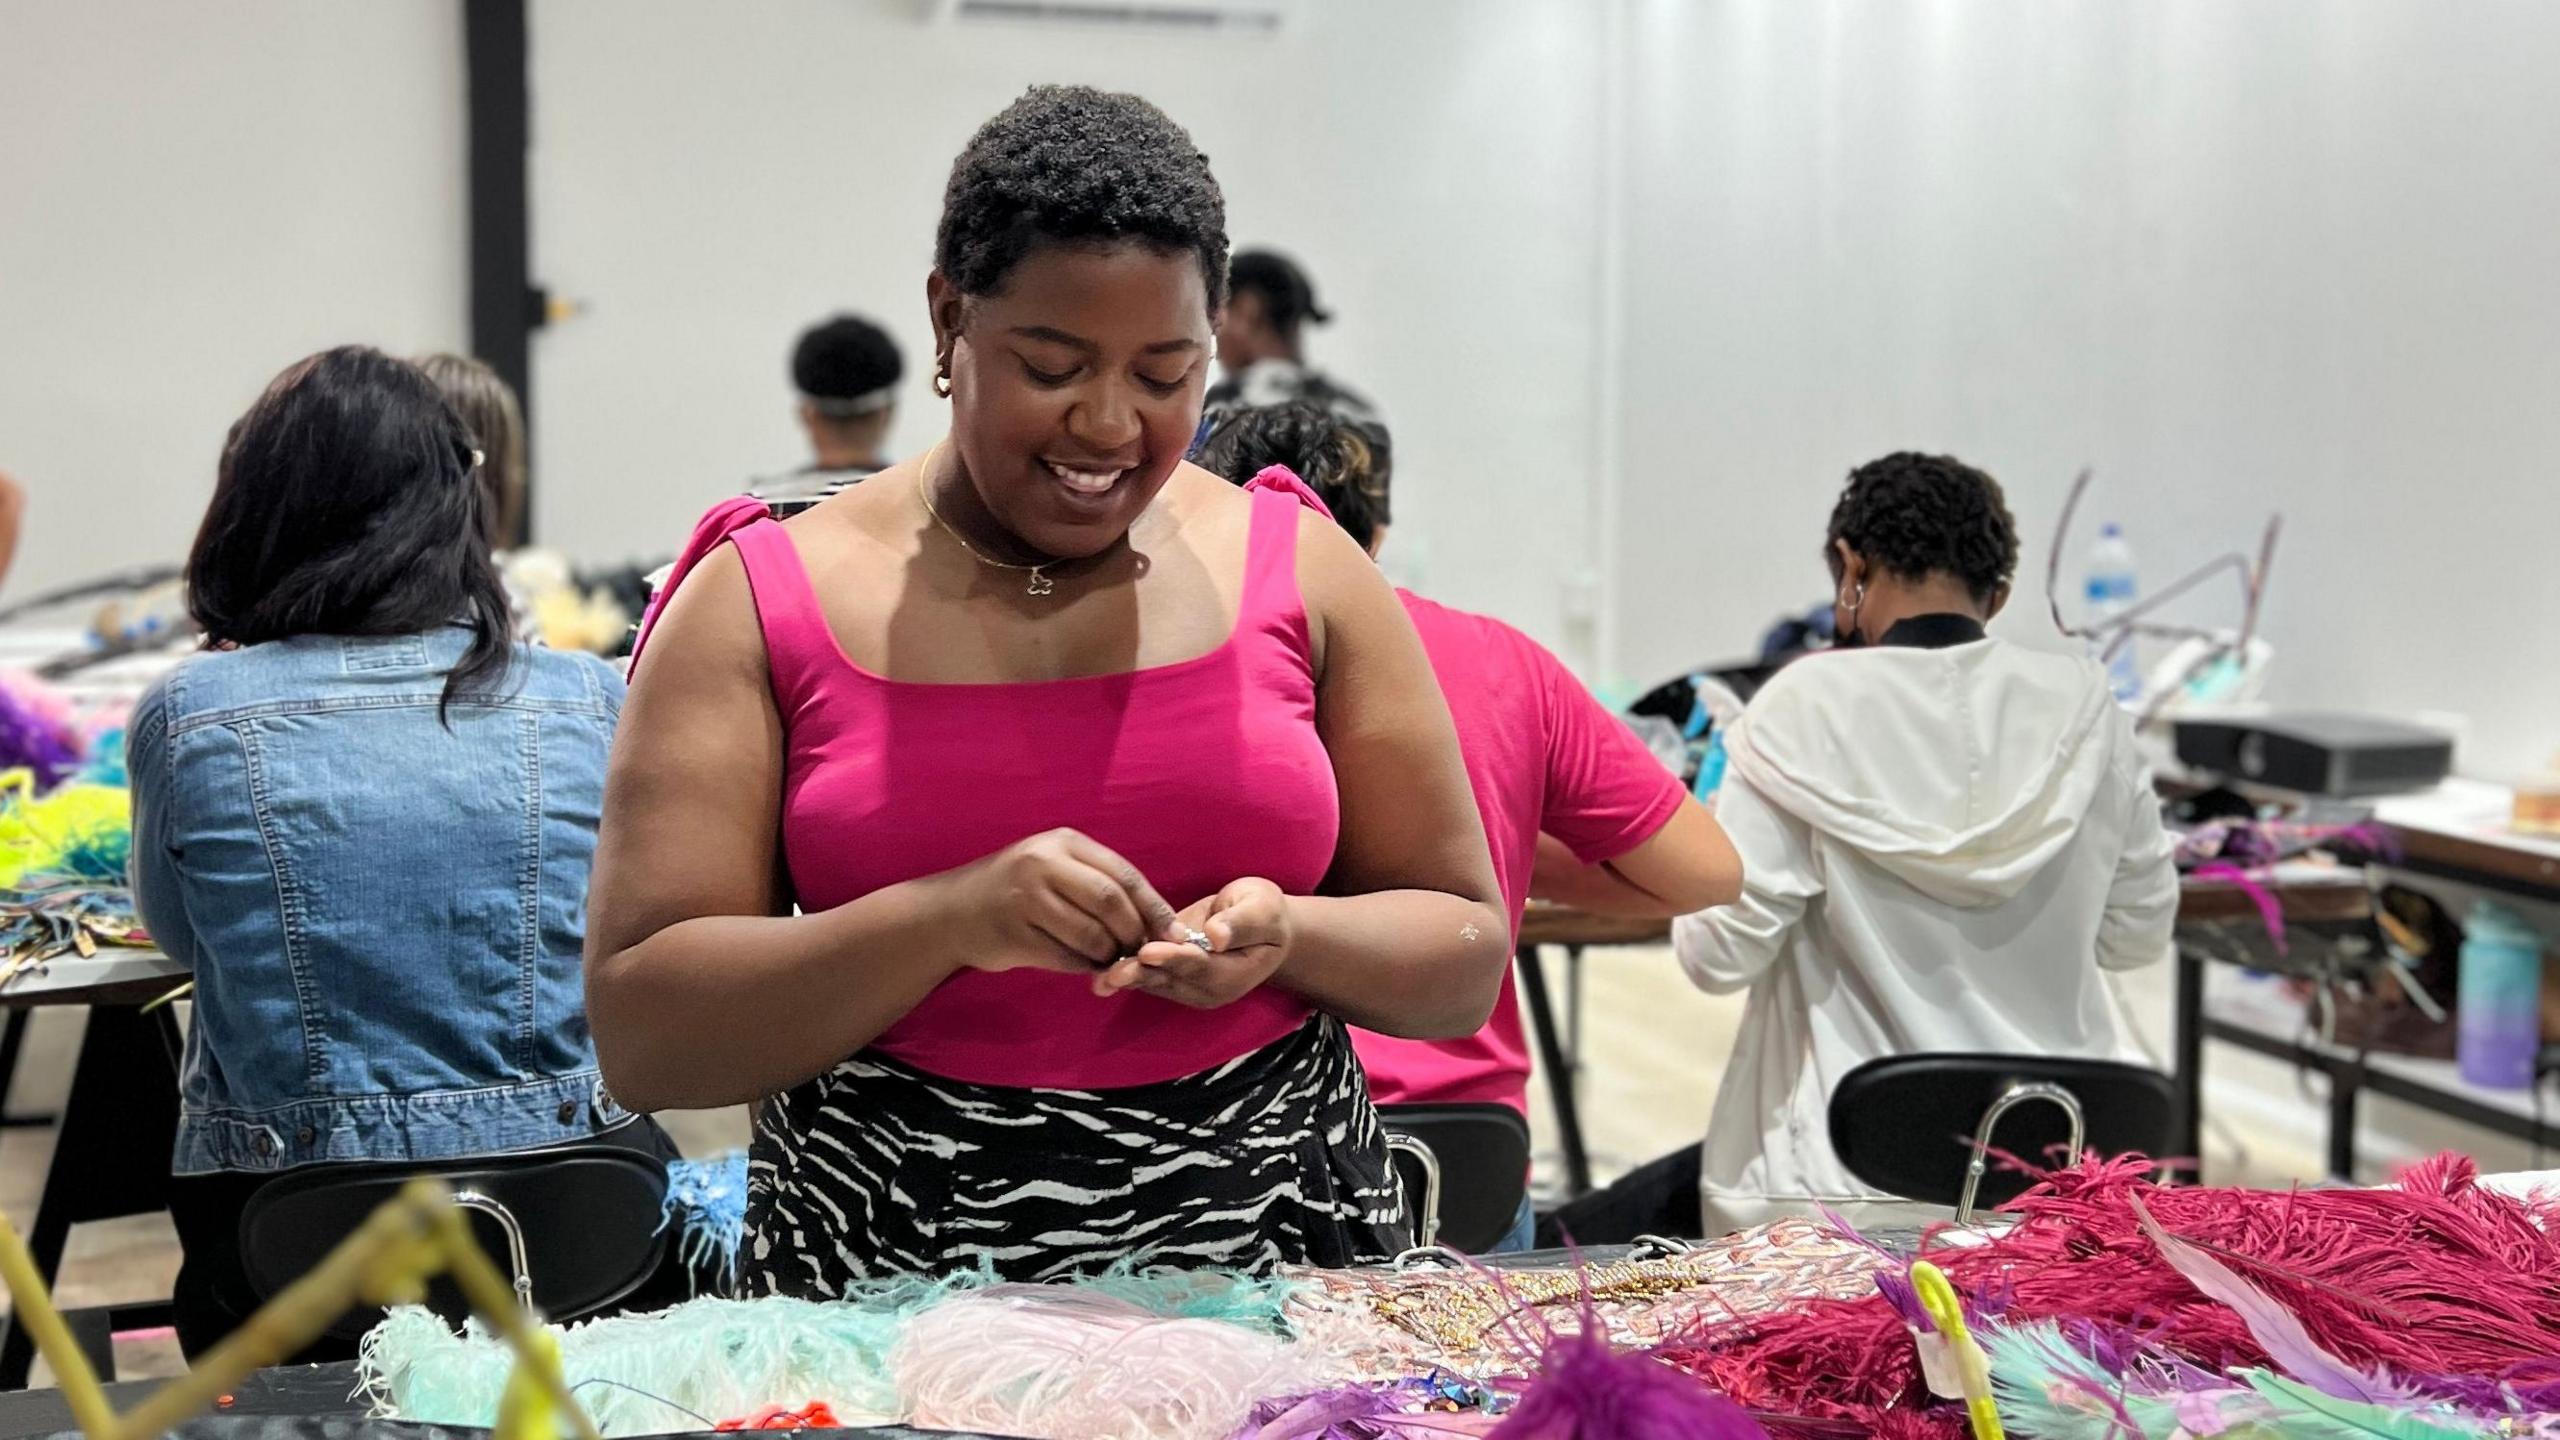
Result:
[
  {"x": 66, "y": 833},
  {"x": 2438, "y": 1298},
  {"x": 1144, "y": 1353},
  {"x": 2112, "y": 1309}
]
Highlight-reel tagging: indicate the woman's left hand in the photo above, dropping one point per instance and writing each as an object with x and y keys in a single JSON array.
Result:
[{"x": 1248, "y": 928}]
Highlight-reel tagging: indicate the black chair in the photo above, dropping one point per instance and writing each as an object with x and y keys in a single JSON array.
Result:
[
  {"x": 576, "y": 1226},
  {"x": 1465, "y": 1167},
  {"x": 1900, "y": 1123}
]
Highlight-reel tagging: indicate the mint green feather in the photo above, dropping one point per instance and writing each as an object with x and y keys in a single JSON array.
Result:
[
  {"x": 2296, "y": 1411},
  {"x": 2049, "y": 1389}
]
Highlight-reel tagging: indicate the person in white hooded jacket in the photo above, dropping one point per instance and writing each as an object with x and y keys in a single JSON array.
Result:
[{"x": 1946, "y": 840}]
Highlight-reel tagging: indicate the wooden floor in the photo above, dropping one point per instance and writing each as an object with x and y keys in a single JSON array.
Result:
[{"x": 1654, "y": 1049}]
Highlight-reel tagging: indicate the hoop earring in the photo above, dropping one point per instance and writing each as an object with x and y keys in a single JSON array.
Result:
[
  {"x": 942, "y": 376},
  {"x": 1857, "y": 603}
]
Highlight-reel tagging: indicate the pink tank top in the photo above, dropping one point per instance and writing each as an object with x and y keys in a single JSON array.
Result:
[{"x": 1199, "y": 772}]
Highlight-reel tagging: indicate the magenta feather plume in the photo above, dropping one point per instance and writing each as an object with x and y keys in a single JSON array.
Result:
[{"x": 2277, "y": 1330}]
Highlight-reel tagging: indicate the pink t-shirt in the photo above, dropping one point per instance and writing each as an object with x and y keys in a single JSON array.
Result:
[
  {"x": 1542, "y": 754},
  {"x": 1198, "y": 772}
]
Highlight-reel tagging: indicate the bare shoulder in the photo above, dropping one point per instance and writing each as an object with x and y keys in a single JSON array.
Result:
[
  {"x": 708, "y": 626},
  {"x": 1204, "y": 500},
  {"x": 882, "y": 508}
]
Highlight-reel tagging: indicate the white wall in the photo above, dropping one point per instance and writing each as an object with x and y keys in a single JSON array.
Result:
[
  {"x": 710, "y": 179},
  {"x": 192, "y": 197},
  {"x": 2286, "y": 255}
]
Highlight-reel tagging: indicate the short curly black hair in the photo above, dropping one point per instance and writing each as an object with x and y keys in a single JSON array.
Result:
[
  {"x": 1917, "y": 515},
  {"x": 1340, "y": 460},
  {"x": 845, "y": 364},
  {"x": 1075, "y": 164}
]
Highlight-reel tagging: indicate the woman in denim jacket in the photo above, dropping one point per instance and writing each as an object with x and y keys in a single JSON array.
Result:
[{"x": 364, "y": 820}]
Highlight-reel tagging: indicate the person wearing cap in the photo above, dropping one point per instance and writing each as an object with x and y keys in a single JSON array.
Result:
[
  {"x": 846, "y": 370},
  {"x": 1260, "y": 347}
]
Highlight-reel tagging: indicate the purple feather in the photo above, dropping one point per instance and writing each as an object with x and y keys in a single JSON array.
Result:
[
  {"x": 1326, "y": 1414},
  {"x": 31, "y": 739},
  {"x": 1896, "y": 1289},
  {"x": 2275, "y": 1328},
  {"x": 1585, "y": 1392}
]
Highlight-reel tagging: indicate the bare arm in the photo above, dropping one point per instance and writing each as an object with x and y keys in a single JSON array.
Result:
[
  {"x": 702, "y": 989},
  {"x": 1686, "y": 866},
  {"x": 1409, "y": 937}
]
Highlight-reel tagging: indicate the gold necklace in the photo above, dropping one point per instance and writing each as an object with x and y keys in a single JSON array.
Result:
[{"x": 1040, "y": 584}]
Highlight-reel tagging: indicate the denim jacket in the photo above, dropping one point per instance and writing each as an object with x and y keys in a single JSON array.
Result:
[{"x": 384, "y": 913}]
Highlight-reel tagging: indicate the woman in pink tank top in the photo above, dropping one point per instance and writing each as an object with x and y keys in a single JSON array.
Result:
[{"x": 1106, "y": 794}]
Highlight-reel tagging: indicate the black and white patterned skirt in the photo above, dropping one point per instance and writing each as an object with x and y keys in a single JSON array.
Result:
[{"x": 876, "y": 1168}]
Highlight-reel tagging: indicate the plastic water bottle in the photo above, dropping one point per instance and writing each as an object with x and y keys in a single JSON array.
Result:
[
  {"x": 2500, "y": 1010},
  {"x": 2111, "y": 587}
]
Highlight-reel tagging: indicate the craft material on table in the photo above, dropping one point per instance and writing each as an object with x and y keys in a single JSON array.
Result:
[
  {"x": 77, "y": 831},
  {"x": 660, "y": 1373},
  {"x": 46, "y": 923},
  {"x": 63, "y": 854},
  {"x": 1161, "y": 1354},
  {"x": 1054, "y": 1361},
  {"x": 1390, "y": 1323},
  {"x": 2449, "y": 1286}
]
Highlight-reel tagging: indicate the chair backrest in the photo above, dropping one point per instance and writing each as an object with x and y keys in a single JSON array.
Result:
[
  {"x": 1905, "y": 1124},
  {"x": 1483, "y": 1156},
  {"x": 590, "y": 1217}
]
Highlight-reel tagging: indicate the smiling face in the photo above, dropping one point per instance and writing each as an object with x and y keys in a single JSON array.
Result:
[{"x": 1075, "y": 389}]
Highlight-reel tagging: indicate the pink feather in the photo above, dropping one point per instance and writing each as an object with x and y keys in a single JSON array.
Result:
[
  {"x": 2437, "y": 1281},
  {"x": 2270, "y": 1324},
  {"x": 1054, "y": 1363}
]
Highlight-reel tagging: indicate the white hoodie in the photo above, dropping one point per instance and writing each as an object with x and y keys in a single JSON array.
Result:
[{"x": 1942, "y": 849}]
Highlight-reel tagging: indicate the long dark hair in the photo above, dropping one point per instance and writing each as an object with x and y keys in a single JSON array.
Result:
[{"x": 346, "y": 505}]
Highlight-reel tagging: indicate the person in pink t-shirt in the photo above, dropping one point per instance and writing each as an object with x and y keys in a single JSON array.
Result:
[{"x": 1574, "y": 806}]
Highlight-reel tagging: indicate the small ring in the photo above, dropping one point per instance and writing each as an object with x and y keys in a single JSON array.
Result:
[{"x": 1198, "y": 938}]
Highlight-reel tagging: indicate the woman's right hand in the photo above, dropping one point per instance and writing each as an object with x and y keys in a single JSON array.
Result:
[{"x": 1057, "y": 901}]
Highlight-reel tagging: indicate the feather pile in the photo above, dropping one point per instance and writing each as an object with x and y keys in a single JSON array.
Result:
[
  {"x": 2437, "y": 1291},
  {"x": 1057, "y": 1362},
  {"x": 681, "y": 1368}
]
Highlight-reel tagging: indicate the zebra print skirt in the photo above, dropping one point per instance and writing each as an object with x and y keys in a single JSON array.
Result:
[{"x": 876, "y": 1168}]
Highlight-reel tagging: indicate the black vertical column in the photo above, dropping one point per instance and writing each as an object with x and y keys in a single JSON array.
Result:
[{"x": 506, "y": 307}]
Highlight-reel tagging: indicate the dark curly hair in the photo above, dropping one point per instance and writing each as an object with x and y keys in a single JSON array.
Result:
[
  {"x": 1331, "y": 454},
  {"x": 1072, "y": 163},
  {"x": 1915, "y": 515}
]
